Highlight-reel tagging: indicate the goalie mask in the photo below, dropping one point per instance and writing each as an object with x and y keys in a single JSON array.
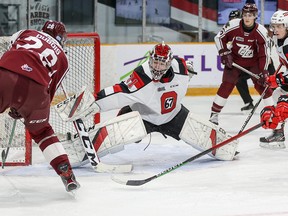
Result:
[
  {"x": 57, "y": 30},
  {"x": 160, "y": 60}
]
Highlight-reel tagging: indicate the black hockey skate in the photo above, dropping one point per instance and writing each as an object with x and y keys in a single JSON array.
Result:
[
  {"x": 214, "y": 118},
  {"x": 68, "y": 178},
  {"x": 275, "y": 140},
  {"x": 248, "y": 107}
]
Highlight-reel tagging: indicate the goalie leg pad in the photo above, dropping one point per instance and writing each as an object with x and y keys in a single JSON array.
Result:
[
  {"x": 108, "y": 137},
  {"x": 203, "y": 135}
]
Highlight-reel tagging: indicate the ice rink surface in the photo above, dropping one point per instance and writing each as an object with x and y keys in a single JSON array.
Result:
[{"x": 254, "y": 184}]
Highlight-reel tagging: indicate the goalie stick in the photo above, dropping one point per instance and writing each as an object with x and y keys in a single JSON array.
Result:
[
  {"x": 144, "y": 181},
  {"x": 91, "y": 153}
]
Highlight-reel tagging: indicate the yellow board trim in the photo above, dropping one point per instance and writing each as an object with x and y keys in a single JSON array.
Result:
[{"x": 212, "y": 91}]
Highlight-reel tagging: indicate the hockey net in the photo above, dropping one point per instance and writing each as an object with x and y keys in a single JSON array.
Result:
[{"x": 83, "y": 52}]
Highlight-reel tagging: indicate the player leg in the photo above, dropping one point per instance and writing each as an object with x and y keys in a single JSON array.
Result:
[
  {"x": 277, "y": 138},
  {"x": 230, "y": 78},
  {"x": 34, "y": 107},
  {"x": 199, "y": 133},
  {"x": 243, "y": 90},
  {"x": 203, "y": 135}
]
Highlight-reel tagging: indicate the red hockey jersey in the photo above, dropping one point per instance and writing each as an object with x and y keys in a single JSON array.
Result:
[
  {"x": 248, "y": 48},
  {"x": 36, "y": 55}
]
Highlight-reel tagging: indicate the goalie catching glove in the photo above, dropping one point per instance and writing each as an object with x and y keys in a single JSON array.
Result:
[
  {"x": 80, "y": 105},
  {"x": 190, "y": 68}
]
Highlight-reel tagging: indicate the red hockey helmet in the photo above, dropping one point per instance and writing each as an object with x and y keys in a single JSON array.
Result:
[
  {"x": 160, "y": 60},
  {"x": 56, "y": 29},
  {"x": 250, "y": 7}
]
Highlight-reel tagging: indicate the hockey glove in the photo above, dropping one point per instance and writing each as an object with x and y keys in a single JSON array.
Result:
[
  {"x": 226, "y": 57},
  {"x": 263, "y": 77},
  {"x": 14, "y": 114},
  {"x": 190, "y": 68},
  {"x": 268, "y": 117},
  {"x": 278, "y": 80},
  {"x": 281, "y": 109}
]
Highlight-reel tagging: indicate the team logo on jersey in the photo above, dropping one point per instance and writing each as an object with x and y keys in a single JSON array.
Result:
[
  {"x": 245, "y": 51},
  {"x": 25, "y": 67}
]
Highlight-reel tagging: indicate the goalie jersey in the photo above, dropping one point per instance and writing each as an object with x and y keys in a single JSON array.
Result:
[{"x": 157, "y": 102}]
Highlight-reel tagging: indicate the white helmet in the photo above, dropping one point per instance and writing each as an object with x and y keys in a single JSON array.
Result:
[
  {"x": 160, "y": 60},
  {"x": 280, "y": 17}
]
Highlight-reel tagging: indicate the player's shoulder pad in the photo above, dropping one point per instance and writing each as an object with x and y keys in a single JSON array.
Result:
[
  {"x": 180, "y": 62},
  {"x": 143, "y": 72},
  {"x": 138, "y": 78},
  {"x": 262, "y": 31},
  {"x": 232, "y": 24}
]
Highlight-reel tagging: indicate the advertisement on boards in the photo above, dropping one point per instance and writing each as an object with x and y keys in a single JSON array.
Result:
[{"x": 127, "y": 57}]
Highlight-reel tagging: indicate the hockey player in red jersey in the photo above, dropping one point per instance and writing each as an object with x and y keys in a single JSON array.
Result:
[
  {"x": 242, "y": 85},
  {"x": 249, "y": 49},
  {"x": 272, "y": 115},
  {"x": 30, "y": 72}
]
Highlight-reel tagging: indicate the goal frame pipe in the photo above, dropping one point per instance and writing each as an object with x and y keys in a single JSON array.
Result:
[{"x": 97, "y": 67}]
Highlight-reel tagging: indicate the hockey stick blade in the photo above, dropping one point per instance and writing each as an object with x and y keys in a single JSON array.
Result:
[
  {"x": 144, "y": 181},
  {"x": 3, "y": 156}
]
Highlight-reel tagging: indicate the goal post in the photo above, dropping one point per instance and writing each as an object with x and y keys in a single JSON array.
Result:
[{"x": 83, "y": 53}]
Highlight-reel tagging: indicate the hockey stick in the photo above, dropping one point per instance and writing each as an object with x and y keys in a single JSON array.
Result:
[
  {"x": 4, "y": 153},
  {"x": 88, "y": 145},
  {"x": 144, "y": 181},
  {"x": 245, "y": 70},
  {"x": 258, "y": 102},
  {"x": 253, "y": 110}
]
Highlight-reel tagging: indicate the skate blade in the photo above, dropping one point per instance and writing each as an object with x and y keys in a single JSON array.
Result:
[{"x": 279, "y": 145}]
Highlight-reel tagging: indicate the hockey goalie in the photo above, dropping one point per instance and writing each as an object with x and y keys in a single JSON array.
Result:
[{"x": 149, "y": 101}]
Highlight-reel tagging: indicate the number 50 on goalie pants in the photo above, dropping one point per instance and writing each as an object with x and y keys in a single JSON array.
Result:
[{"x": 202, "y": 135}]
